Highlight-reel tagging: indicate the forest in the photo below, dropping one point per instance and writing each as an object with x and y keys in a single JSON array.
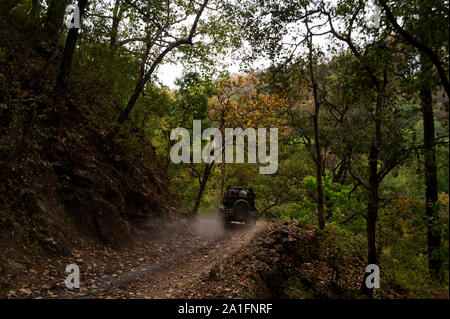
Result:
[{"x": 92, "y": 90}]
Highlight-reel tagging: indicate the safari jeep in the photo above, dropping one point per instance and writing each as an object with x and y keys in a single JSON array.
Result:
[{"x": 238, "y": 206}]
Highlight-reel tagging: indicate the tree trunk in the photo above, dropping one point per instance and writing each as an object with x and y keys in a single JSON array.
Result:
[
  {"x": 431, "y": 187},
  {"x": 117, "y": 16},
  {"x": 168, "y": 151},
  {"x": 35, "y": 11},
  {"x": 131, "y": 102},
  {"x": 222, "y": 179},
  {"x": 54, "y": 20},
  {"x": 319, "y": 160},
  {"x": 319, "y": 174},
  {"x": 374, "y": 182},
  {"x": 203, "y": 182},
  {"x": 69, "y": 49}
]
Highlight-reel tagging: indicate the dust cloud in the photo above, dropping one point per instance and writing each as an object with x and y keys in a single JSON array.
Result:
[{"x": 208, "y": 225}]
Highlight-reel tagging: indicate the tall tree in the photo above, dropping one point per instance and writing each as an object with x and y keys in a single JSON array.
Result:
[
  {"x": 318, "y": 149},
  {"x": 429, "y": 154},
  {"x": 53, "y": 23},
  {"x": 263, "y": 26},
  {"x": 62, "y": 81},
  {"x": 377, "y": 71},
  {"x": 159, "y": 39},
  {"x": 117, "y": 15},
  {"x": 420, "y": 20},
  {"x": 193, "y": 98},
  {"x": 203, "y": 180},
  {"x": 438, "y": 9}
]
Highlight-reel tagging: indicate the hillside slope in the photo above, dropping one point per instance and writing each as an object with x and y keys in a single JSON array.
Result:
[{"x": 64, "y": 185}]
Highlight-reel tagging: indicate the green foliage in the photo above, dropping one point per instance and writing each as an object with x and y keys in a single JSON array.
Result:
[
  {"x": 403, "y": 246},
  {"x": 192, "y": 96},
  {"x": 343, "y": 205},
  {"x": 104, "y": 78}
]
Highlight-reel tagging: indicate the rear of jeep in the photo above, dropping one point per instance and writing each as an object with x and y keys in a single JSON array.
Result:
[{"x": 238, "y": 206}]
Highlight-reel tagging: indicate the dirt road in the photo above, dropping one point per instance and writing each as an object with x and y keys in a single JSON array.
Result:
[
  {"x": 170, "y": 262},
  {"x": 199, "y": 259}
]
